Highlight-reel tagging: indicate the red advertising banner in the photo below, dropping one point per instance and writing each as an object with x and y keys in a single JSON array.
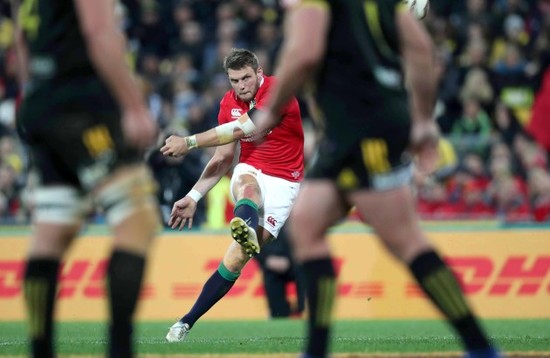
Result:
[{"x": 505, "y": 274}]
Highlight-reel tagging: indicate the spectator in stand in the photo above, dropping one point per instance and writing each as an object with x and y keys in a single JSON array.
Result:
[
  {"x": 152, "y": 32},
  {"x": 512, "y": 84},
  {"x": 507, "y": 191},
  {"x": 529, "y": 153},
  {"x": 268, "y": 39},
  {"x": 252, "y": 13},
  {"x": 184, "y": 96},
  {"x": 190, "y": 42},
  {"x": 513, "y": 32},
  {"x": 182, "y": 14},
  {"x": 183, "y": 67},
  {"x": 433, "y": 201},
  {"x": 477, "y": 12},
  {"x": 506, "y": 124},
  {"x": 474, "y": 204},
  {"x": 539, "y": 193},
  {"x": 472, "y": 132},
  {"x": 471, "y": 173},
  {"x": 448, "y": 106},
  {"x": 477, "y": 85}
]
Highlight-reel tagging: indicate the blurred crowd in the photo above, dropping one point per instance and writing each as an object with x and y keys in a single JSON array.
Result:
[{"x": 491, "y": 57}]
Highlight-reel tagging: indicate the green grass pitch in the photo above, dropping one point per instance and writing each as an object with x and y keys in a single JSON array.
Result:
[{"x": 284, "y": 338}]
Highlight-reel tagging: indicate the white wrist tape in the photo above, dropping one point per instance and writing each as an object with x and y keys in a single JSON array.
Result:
[
  {"x": 225, "y": 131},
  {"x": 195, "y": 195}
]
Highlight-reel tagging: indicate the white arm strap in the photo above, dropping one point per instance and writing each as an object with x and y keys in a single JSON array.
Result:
[{"x": 225, "y": 131}]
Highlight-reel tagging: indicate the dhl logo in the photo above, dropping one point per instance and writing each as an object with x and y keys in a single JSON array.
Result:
[
  {"x": 84, "y": 278},
  {"x": 517, "y": 276}
]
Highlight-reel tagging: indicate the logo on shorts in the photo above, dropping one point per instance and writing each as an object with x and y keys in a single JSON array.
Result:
[
  {"x": 295, "y": 174},
  {"x": 271, "y": 221},
  {"x": 236, "y": 112}
]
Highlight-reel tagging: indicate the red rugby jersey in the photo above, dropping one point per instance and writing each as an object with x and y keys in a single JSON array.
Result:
[{"x": 282, "y": 153}]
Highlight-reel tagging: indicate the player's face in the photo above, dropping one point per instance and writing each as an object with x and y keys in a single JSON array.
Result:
[{"x": 245, "y": 82}]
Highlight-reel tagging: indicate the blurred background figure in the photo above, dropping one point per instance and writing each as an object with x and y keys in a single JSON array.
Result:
[{"x": 283, "y": 282}]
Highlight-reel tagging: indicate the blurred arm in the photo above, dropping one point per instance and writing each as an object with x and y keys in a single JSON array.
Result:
[
  {"x": 306, "y": 29},
  {"x": 106, "y": 47},
  {"x": 418, "y": 59}
]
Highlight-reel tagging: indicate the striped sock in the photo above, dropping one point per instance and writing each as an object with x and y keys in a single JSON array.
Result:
[
  {"x": 441, "y": 286},
  {"x": 213, "y": 290},
  {"x": 321, "y": 291},
  {"x": 40, "y": 289}
]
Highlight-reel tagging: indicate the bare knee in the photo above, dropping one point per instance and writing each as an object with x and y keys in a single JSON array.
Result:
[{"x": 247, "y": 187}]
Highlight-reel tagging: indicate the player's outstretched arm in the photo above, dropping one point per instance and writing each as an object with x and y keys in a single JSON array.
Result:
[{"x": 175, "y": 146}]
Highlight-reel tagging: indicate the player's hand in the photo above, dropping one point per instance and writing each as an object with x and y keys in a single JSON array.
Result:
[
  {"x": 139, "y": 128},
  {"x": 182, "y": 212},
  {"x": 174, "y": 146},
  {"x": 424, "y": 144}
]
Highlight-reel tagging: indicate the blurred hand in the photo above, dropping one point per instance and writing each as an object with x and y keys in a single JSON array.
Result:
[
  {"x": 139, "y": 128},
  {"x": 182, "y": 212},
  {"x": 424, "y": 145},
  {"x": 174, "y": 146},
  {"x": 264, "y": 121}
]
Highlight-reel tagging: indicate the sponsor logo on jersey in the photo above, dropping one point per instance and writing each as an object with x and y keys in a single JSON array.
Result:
[
  {"x": 236, "y": 112},
  {"x": 295, "y": 174}
]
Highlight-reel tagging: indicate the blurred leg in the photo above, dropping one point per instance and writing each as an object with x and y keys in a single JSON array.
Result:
[
  {"x": 275, "y": 291},
  {"x": 56, "y": 222},
  {"x": 131, "y": 210},
  {"x": 393, "y": 217},
  {"x": 317, "y": 208}
]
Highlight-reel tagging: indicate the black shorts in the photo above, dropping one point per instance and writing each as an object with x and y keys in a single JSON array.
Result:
[
  {"x": 365, "y": 147},
  {"x": 74, "y": 139}
]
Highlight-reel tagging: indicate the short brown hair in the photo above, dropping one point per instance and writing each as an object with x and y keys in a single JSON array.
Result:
[{"x": 239, "y": 58}]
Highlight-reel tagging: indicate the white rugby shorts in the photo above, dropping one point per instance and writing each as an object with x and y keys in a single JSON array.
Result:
[{"x": 278, "y": 196}]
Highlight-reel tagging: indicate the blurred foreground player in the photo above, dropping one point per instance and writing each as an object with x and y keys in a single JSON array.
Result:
[
  {"x": 86, "y": 123},
  {"x": 365, "y": 52}
]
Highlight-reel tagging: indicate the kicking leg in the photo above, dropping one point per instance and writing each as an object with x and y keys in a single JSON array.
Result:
[{"x": 248, "y": 199}]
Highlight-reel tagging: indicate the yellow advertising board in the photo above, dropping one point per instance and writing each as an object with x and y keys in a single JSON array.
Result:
[{"x": 506, "y": 274}]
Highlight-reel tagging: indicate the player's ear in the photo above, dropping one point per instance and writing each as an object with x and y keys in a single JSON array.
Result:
[{"x": 260, "y": 71}]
